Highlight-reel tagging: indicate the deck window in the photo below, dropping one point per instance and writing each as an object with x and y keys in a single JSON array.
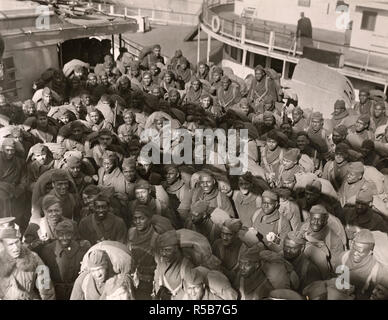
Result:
[
  {"x": 368, "y": 20},
  {"x": 304, "y": 3}
]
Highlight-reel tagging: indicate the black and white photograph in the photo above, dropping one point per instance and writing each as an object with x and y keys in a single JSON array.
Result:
[{"x": 193, "y": 150}]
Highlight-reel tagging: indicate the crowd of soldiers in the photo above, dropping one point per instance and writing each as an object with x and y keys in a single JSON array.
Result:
[{"x": 74, "y": 185}]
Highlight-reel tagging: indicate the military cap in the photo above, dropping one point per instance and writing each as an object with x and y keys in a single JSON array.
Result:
[
  {"x": 76, "y": 124},
  {"x": 111, "y": 155},
  {"x": 340, "y": 104},
  {"x": 364, "y": 196},
  {"x": 297, "y": 237},
  {"x": 365, "y": 118},
  {"x": 49, "y": 200},
  {"x": 284, "y": 294},
  {"x": 92, "y": 75},
  {"x": 59, "y": 176},
  {"x": 91, "y": 190},
  {"x": 314, "y": 186},
  {"x": 342, "y": 148},
  {"x": 247, "y": 176},
  {"x": 292, "y": 154},
  {"x": 142, "y": 184},
  {"x": 273, "y": 135},
  {"x": 356, "y": 167},
  {"x": 73, "y": 161},
  {"x": 104, "y": 132},
  {"x": 98, "y": 258},
  {"x": 65, "y": 226},
  {"x": 194, "y": 277},
  {"x": 46, "y": 91},
  {"x": 298, "y": 110},
  {"x": 9, "y": 142},
  {"x": 169, "y": 167},
  {"x": 167, "y": 239},
  {"x": 7, "y": 222},
  {"x": 271, "y": 195},
  {"x": 234, "y": 225},
  {"x": 9, "y": 233},
  {"x": 200, "y": 207},
  {"x": 317, "y": 115},
  {"x": 364, "y": 90},
  {"x": 178, "y": 53},
  {"x": 259, "y": 67},
  {"x": 283, "y": 193},
  {"x": 156, "y": 46},
  {"x": 128, "y": 163},
  {"x": 319, "y": 209},
  {"x": 218, "y": 70},
  {"x": 251, "y": 254},
  {"x": 144, "y": 210},
  {"x": 102, "y": 197},
  {"x": 364, "y": 236}
]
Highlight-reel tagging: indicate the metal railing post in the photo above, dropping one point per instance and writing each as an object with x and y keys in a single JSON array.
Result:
[
  {"x": 209, "y": 40},
  {"x": 367, "y": 61},
  {"x": 271, "y": 40},
  {"x": 112, "y": 9},
  {"x": 125, "y": 12},
  {"x": 199, "y": 43},
  {"x": 99, "y": 7},
  {"x": 243, "y": 33}
]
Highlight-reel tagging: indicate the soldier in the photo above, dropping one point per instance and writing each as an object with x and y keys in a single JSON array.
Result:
[
  {"x": 23, "y": 275},
  {"x": 365, "y": 106},
  {"x": 153, "y": 57},
  {"x": 90, "y": 283},
  {"x": 317, "y": 134},
  {"x": 361, "y": 130},
  {"x": 47, "y": 101},
  {"x": 77, "y": 138},
  {"x": 341, "y": 115},
  {"x": 208, "y": 191},
  {"x": 270, "y": 223},
  {"x": 262, "y": 85},
  {"x": 228, "y": 248},
  {"x": 195, "y": 91},
  {"x": 44, "y": 132},
  {"x": 299, "y": 123},
  {"x": 379, "y": 117},
  {"x": 110, "y": 175},
  {"x": 201, "y": 222},
  {"x": 42, "y": 162},
  {"x": 362, "y": 216},
  {"x": 81, "y": 180},
  {"x": 178, "y": 192},
  {"x": 365, "y": 271},
  {"x": 290, "y": 164},
  {"x": 102, "y": 224},
  {"x": 289, "y": 207},
  {"x": 171, "y": 267},
  {"x": 353, "y": 183},
  {"x": 336, "y": 170},
  {"x": 323, "y": 246},
  {"x": 293, "y": 251},
  {"x": 251, "y": 281},
  {"x": 63, "y": 257},
  {"x": 216, "y": 80},
  {"x": 142, "y": 242},
  {"x": 245, "y": 199},
  {"x": 228, "y": 94}
]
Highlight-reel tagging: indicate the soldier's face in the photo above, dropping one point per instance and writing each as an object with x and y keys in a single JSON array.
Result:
[
  {"x": 100, "y": 210},
  {"x": 227, "y": 237},
  {"x": 296, "y": 115},
  {"x": 172, "y": 176},
  {"x": 269, "y": 205},
  {"x": 272, "y": 144},
  {"x": 269, "y": 121},
  {"x": 54, "y": 213},
  {"x": 41, "y": 157},
  {"x": 289, "y": 184},
  {"x": 359, "y": 251},
  {"x": 109, "y": 165},
  {"x": 338, "y": 110},
  {"x": 244, "y": 109},
  {"x": 47, "y": 98},
  {"x": 104, "y": 80},
  {"x": 88, "y": 199},
  {"x": 42, "y": 122},
  {"x": 140, "y": 221},
  {"x": 361, "y": 207},
  {"x": 206, "y": 102},
  {"x": 288, "y": 164},
  {"x": 316, "y": 124},
  {"x": 337, "y": 138},
  {"x": 77, "y": 133},
  {"x": 339, "y": 158},
  {"x": 360, "y": 126},
  {"x": 61, "y": 187},
  {"x": 129, "y": 118},
  {"x": 13, "y": 247},
  {"x": 363, "y": 96},
  {"x": 169, "y": 253},
  {"x": 105, "y": 141},
  {"x": 301, "y": 142},
  {"x": 99, "y": 274},
  {"x": 92, "y": 81},
  {"x": 244, "y": 186},
  {"x": 225, "y": 85},
  {"x": 216, "y": 77},
  {"x": 318, "y": 221},
  {"x": 64, "y": 238},
  {"x": 144, "y": 168},
  {"x": 167, "y": 78},
  {"x": 287, "y": 129},
  {"x": 202, "y": 69},
  {"x": 94, "y": 117},
  {"x": 85, "y": 100},
  {"x": 74, "y": 170},
  {"x": 379, "y": 111},
  {"x": 207, "y": 183},
  {"x": 291, "y": 250},
  {"x": 353, "y": 177},
  {"x": 247, "y": 268},
  {"x": 129, "y": 173},
  {"x": 156, "y": 52},
  {"x": 9, "y": 152},
  {"x": 259, "y": 74},
  {"x": 379, "y": 293},
  {"x": 143, "y": 195},
  {"x": 147, "y": 80},
  {"x": 311, "y": 197},
  {"x": 195, "y": 291},
  {"x": 196, "y": 85},
  {"x": 31, "y": 110}
]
